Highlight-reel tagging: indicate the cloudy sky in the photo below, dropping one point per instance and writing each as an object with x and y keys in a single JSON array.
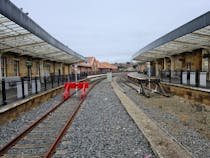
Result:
[{"x": 111, "y": 30}]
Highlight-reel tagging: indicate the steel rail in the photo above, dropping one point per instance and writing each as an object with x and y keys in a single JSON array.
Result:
[
  {"x": 10, "y": 144},
  {"x": 30, "y": 128},
  {"x": 66, "y": 126}
]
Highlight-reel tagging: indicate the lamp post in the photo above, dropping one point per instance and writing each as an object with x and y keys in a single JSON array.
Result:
[
  {"x": 29, "y": 64},
  {"x": 75, "y": 69}
]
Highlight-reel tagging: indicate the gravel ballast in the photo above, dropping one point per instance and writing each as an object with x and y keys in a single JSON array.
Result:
[
  {"x": 102, "y": 128},
  {"x": 39, "y": 140},
  {"x": 12, "y": 128},
  {"x": 195, "y": 143}
]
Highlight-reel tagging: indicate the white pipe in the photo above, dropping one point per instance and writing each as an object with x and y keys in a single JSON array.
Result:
[{"x": 149, "y": 73}]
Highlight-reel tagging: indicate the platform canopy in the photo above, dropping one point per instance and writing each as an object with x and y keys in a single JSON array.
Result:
[
  {"x": 20, "y": 34},
  {"x": 191, "y": 36}
]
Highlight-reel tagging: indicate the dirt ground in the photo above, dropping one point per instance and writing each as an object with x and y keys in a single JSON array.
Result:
[{"x": 191, "y": 114}]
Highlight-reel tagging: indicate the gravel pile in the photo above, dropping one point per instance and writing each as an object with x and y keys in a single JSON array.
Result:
[
  {"x": 188, "y": 137},
  {"x": 102, "y": 128},
  {"x": 12, "y": 128}
]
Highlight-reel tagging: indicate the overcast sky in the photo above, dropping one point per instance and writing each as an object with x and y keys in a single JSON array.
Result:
[{"x": 111, "y": 30}]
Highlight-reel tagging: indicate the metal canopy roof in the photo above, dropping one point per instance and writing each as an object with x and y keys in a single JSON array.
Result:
[
  {"x": 191, "y": 36},
  {"x": 20, "y": 34}
]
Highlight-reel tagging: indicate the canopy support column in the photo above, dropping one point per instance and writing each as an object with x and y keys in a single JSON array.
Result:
[
  {"x": 205, "y": 60},
  {"x": 42, "y": 70},
  {"x": 0, "y": 67},
  {"x": 156, "y": 68},
  {"x": 164, "y": 64}
]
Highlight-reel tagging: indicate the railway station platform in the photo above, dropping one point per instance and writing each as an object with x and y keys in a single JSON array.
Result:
[
  {"x": 197, "y": 94},
  {"x": 101, "y": 120},
  {"x": 115, "y": 121}
]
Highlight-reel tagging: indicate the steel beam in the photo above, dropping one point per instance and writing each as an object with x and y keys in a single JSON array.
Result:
[
  {"x": 189, "y": 44},
  {"x": 9, "y": 10},
  {"x": 155, "y": 55},
  {"x": 15, "y": 36},
  {"x": 4, "y": 21},
  {"x": 45, "y": 52},
  {"x": 196, "y": 24},
  {"x": 56, "y": 55},
  {"x": 200, "y": 35},
  {"x": 22, "y": 46}
]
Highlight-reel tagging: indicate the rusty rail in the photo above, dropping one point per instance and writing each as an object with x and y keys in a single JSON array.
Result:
[
  {"x": 31, "y": 127},
  {"x": 66, "y": 126},
  {"x": 28, "y": 129}
]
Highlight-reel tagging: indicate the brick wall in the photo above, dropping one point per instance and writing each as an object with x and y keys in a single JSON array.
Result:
[
  {"x": 57, "y": 67},
  {"x": 65, "y": 70},
  {"x": 189, "y": 93},
  {"x": 84, "y": 69},
  {"x": 23, "y": 70},
  {"x": 195, "y": 60},
  {"x": 10, "y": 65}
]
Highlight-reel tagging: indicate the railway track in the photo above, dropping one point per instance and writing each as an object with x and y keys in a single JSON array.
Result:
[{"x": 41, "y": 137}]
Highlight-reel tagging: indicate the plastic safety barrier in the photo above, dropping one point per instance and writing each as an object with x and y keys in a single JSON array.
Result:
[{"x": 73, "y": 85}]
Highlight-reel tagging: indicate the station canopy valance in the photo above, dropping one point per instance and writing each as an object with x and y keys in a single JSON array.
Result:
[
  {"x": 20, "y": 34},
  {"x": 191, "y": 36}
]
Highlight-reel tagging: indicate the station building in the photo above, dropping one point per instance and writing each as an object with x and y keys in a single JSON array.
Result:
[
  {"x": 181, "y": 57},
  {"x": 17, "y": 65},
  {"x": 104, "y": 67},
  {"x": 31, "y": 60},
  {"x": 93, "y": 66},
  {"x": 27, "y": 50},
  {"x": 89, "y": 66}
]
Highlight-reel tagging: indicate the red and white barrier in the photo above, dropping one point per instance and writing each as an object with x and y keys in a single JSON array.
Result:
[{"x": 73, "y": 85}]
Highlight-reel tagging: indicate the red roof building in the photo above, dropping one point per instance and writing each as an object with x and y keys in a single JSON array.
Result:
[
  {"x": 104, "y": 67},
  {"x": 92, "y": 66},
  {"x": 89, "y": 66}
]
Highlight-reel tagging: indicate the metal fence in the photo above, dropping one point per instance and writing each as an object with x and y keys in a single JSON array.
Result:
[
  {"x": 12, "y": 89},
  {"x": 189, "y": 78}
]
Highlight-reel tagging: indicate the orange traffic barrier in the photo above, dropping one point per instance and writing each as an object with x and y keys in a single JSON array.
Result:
[{"x": 72, "y": 85}]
